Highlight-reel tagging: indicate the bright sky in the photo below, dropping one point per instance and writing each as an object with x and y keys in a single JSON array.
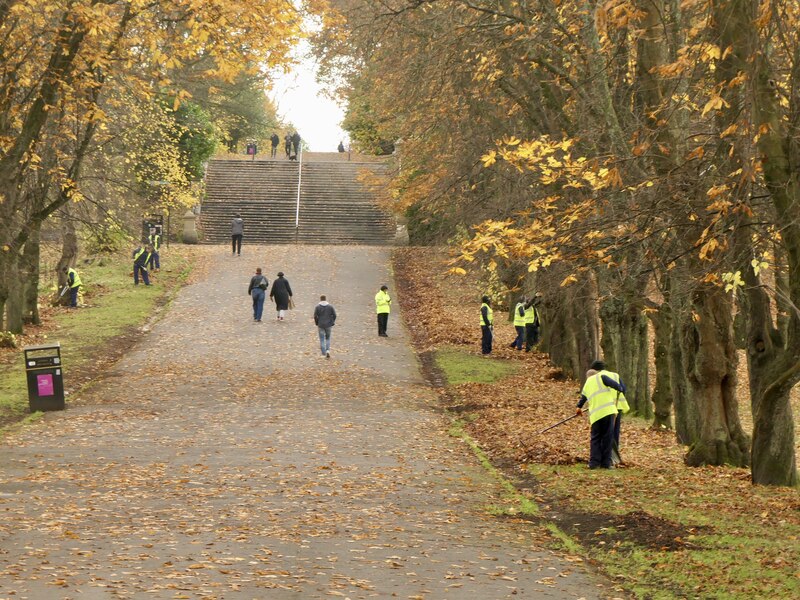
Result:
[{"x": 299, "y": 100}]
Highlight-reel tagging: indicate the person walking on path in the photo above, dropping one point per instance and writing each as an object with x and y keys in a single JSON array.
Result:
[
  {"x": 141, "y": 257},
  {"x": 532, "y": 324},
  {"x": 237, "y": 232},
  {"x": 155, "y": 242},
  {"x": 383, "y": 304},
  {"x": 281, "y": 294},
  {"x": 74, "y": 283},
  {"x": 275, "y": 140},
  {"x": 487, "y": 326},
  {"x": 605, "y": 393},
  {"x": 258, "y": 290},
  {"x": 325, "y": 319},
  {"x": 519, "y": 324}
]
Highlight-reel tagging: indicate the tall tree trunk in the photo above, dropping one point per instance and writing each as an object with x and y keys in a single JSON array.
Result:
[
  {"x": 14, "y": 301},
  {"x": 69, "y": 248},
  {"x": 687, "y": 421},
  {"x": 662, "y": 392},
  {"x": 709, "y": 356},
  {"x": 570, "y": 326},
  {"x": 29, "y": 269},
  {"x": 625, "y": 340}
]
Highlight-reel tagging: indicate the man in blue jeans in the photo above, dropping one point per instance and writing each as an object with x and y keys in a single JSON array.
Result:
[
  {"x": 325, "y": 318},
  {"x": 257, "y": 289}
]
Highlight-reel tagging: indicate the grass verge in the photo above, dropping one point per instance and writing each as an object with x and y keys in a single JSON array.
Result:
[
  {"x": 460, "y": 366},
  {"x": 97, "y": 334}
]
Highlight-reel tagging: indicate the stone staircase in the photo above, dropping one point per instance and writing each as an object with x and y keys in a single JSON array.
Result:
[{"x": 335, "y": 207}]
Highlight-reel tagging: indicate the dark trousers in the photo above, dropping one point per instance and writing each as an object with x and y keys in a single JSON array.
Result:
[
  {"x": 274, "y": 152},
  {"x": 73, "y": 296},
  {"x": 486, "y": 339},
  {"x": 136, "y": 270},
  {"x": 517, "y": 343},
  {"x": 155, "y": 260},
  {"x": 602, "y": 442},
  {"x": 236, "y": 243},
  {"x": 531, "y": 336},
  {"x": 383, "y": 321}
]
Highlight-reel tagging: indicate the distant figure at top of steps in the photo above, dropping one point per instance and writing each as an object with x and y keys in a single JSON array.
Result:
[
  {"x": 296, "y": 143},
  {"x": 340, "y": 147},
  {"x": 237, "y": 231},
  {"x": 275, "y": 141},
  {"x": 287, "y": 141}
]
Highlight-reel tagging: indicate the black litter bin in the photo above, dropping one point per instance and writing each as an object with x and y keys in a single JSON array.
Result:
[{"x": 45, "y": 377}]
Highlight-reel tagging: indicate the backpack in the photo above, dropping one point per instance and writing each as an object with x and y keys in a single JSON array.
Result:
[{"x": 264, "y": 283}]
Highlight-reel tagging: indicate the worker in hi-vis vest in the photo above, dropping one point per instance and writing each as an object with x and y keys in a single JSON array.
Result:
[
  {"x": 532, "y": 322},
  {"x": 605, "y": 394},
  {"x": 141, "y": 256},
  {"x": 74, "y": 283},
  {"x": 487, "y": 326},
  {"x": 155, "y": 243},
  {"x": 519, "y": 323},
  {"x": 383, "y": 304}
]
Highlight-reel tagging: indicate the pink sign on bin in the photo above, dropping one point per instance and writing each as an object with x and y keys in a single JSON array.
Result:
[{"x": 45, "y": 384}]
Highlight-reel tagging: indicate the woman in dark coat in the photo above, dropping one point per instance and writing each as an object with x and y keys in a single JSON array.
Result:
[{"x": 281, "y": 293}]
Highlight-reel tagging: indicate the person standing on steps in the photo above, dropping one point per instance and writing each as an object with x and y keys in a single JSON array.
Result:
[
  {"x": 487, "y": 326},
  {"x": 340, "y": 147},
  {"x": 519, "y": 324},
  {"x": 275, "y": 140},
  {"x": 74, "y": 283},
  {"x": 237, "y": 232},
  {"x": 258, "y": 290},
  {"x": 296, "y": 143},
  {"x": 532, "y": 325},
  {"x": 141, "y": 256},
  {"x": 605, "y": 393},
  {"x": 383, "y": 304},
  {"x": 281, "y": 294},
  {"x": 325, "y": 319},
  {"x": 287, "y": 144}
]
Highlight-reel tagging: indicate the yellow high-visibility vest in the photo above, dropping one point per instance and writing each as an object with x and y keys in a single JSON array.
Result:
[
  {"x": 603, "y": 400},
  {"x": 76, "y": 282},
  {"x": 530, "y": 315},
  {"x": 382, "y": 302},
  {"x": 155, "y": 241},
  {"x": 489, "y": 314},
  {"x": 519, "y": 320}
]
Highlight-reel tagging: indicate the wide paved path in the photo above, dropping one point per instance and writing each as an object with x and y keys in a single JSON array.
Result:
[{"x": 225, "y": 459}]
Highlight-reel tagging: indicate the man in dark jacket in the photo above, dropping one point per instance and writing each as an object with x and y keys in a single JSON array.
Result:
[
  {"x": 325, "y": 319},
  {"x": 258, "y": 290},
  {"x": 237, "y": 232},
  {"x": 275, "y": 140}
]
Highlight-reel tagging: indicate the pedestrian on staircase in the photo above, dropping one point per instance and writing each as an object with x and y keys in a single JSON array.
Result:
[
  {"x": 258, "y": 289},
  {"x": 296, "y": 143},
  {"x": 324, "y": 318},
  {"x": 237, "y": 231},
  {"x": 281, "y": 294},
  {"x": 383, "y": 305},
  {"x": 275, "y": 141},
  {"x": 287, "y": 142}
]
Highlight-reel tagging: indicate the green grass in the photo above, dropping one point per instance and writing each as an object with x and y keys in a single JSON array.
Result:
[
  {"x": 732, "y": 555},
  {"x": 459, "y": 366},
  {"x": 112, "y": 306}
]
